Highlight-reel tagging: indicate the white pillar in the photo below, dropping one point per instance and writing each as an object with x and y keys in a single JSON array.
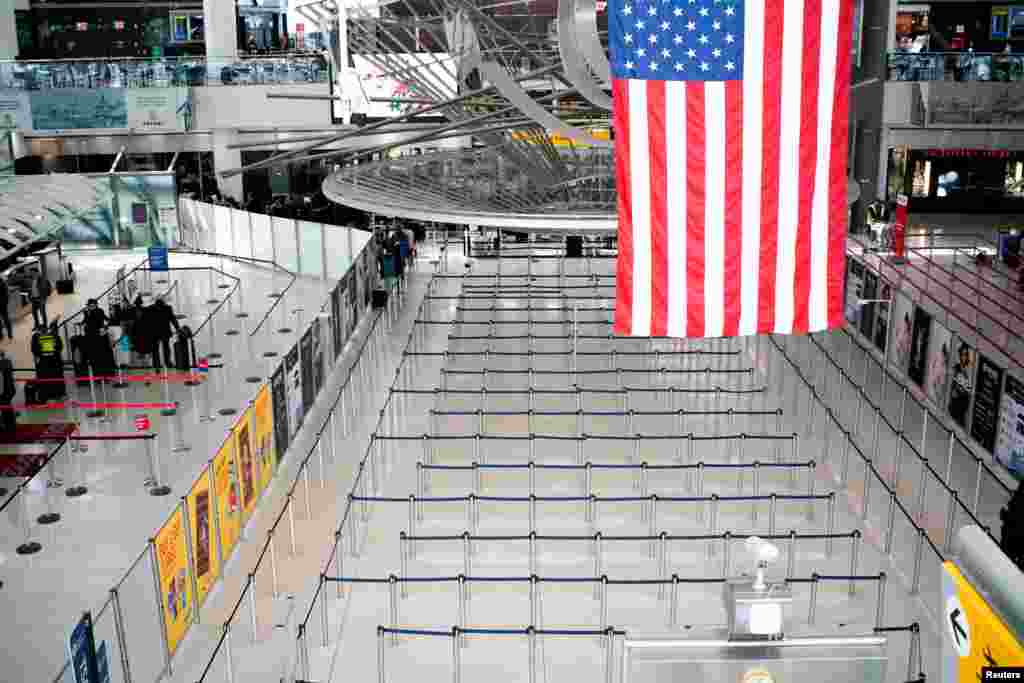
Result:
[
  {"x": 221, "y": 23},
  {"x": 224, "y": 159},
  {"x": 8, "y": 32}
]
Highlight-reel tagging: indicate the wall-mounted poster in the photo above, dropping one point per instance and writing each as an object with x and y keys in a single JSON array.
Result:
[
  {"x": 854, "y": 290},
  {"x": 369, "y": 274},
  {"x": 306, "y": 354},
  {"x": 319, "y": 337},
  {"x": 204, "y": 548},
  {"x": 940, "y": 355},
  {"x": 988, "y": 389},
  {"x": 247, "y": 463},
  {"x": 279, "y": 393},
  {"x": 882, "y": 317},
  {"x": 868, "y": 314},
  {"x": 228, "y": 493},
  {"x": 263, "y": 435},
  {"x": 921, "y": 331},
  {"x": 1010, "y": 443},
  {"x": 175, "y": 585},
  {"x": 293, "y": 368},
  {"x": 336, "y": 322},
  {"x": 961, "y": 382},
  {"x": 902, "y": 332}
]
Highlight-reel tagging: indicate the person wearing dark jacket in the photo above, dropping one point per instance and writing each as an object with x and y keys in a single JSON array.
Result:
[
  {"x": 94, "y": 319},
  {"x": 160, "y": 324},
  {"x": 7, "y": 392},
  {"x": 38, "y": 291},
  {"x": 5, "y": 313},
  {"x": 1012, "y": 516}
]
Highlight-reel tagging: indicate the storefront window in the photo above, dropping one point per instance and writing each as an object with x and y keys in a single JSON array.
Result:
[
  {"x": 912, "y": 28},
  {"x": 1015, "y": 179}
]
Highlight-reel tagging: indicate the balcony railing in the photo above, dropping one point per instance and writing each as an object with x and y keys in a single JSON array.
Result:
[
  {"x": 160, "y": 72},
  {"x": 955, "y": 66}
]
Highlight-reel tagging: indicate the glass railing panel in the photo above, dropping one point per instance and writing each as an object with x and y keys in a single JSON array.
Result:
[{"x": 956, "y": 66}]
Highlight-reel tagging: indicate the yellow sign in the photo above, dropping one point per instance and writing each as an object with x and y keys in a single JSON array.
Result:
[
  {"x": 247, "y": 465},
  {"x": 263, "y": 434},
  {"x": 559, "y": 140},
  {"x": 175, "y": 586},
  {"x": 976, "y": 636},
  {"x": 205, "y": 565},
  {"x": 229, "y": 507}
]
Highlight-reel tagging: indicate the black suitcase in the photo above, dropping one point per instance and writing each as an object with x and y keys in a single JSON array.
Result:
[
  {"x": 8, "y": 419},
  {"x": 101, "y": 356},
  {"x": 33, "y": 395},
  {"x": 184, "y": 350},
  {"x": 79, "y": 359}
]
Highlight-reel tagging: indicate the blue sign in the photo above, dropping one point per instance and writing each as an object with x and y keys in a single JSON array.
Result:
[
  {"x": 82, "y": 649},
  {"x": 102, "y": 663},
  {"x": 158, "y": 258}
]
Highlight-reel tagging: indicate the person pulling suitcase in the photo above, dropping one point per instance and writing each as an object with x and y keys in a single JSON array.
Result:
[{"x": 8, "y": 418}]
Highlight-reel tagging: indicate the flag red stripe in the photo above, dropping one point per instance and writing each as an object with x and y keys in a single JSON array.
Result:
[
  {"x": 733, "y": 206},
  {"x": 838, "y": 204},
  {"x": 772, "y": 107},
  {"x": 624, "y": 266},
  {"x": 695, "y": 191},
  {"x": 656, "y": 132},
  {"x": 808, "y": 164}
]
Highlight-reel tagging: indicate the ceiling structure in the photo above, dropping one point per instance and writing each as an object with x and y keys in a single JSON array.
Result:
[{"x": 37, "y": 207}]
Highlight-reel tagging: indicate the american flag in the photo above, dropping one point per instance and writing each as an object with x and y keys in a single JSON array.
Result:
[{"x": 730, "y": 158}]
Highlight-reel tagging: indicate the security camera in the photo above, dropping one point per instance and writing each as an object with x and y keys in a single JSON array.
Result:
[{"x": 764, "y": 553}]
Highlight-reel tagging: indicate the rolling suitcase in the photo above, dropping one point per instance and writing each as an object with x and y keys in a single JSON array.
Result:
[
  {"x": 184, "y": 350},
  {"x": 101, "y": 356},
  {"x": 79, "y": 359}
]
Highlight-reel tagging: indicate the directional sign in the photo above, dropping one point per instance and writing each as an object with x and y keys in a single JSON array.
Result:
[{"x": 975, "y": 635}]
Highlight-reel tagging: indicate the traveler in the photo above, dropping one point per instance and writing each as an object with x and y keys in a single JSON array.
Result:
[
  {"x": 7, "y": 392},
  {"x": 5, "y": 313},
  {"x": 39, "y": 290},
  {"x": 160, "y": 324},
  {"x": 94, "y": 319}
]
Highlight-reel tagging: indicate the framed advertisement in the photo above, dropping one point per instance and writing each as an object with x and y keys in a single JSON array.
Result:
[
  {"x": 318, "y": 355},
  {"x": 868, "y": 310},
  {"x": 988, "y": 390},
  {"x": 1010, "y": 442},
  {"x": 263, "y": 435},
  {"x": 940, "y": 356},
  {"x": 882, "y": 317},
  {"x": 854, "y": 291},
  {"x": 247, "y": 463},
  {"x": 961, "y": 383},
  {"x": 337, "y": 324},
  {"x": 205, "y": 564},
  {"x": 279, "y": 396},
  {"x": 306, "y": 355},
  {"x": 919, "y": 336},
  {"x": 176, "y": 597},
  {"x": 293, "y": 368},
  {"x": 902, "y": 332}
]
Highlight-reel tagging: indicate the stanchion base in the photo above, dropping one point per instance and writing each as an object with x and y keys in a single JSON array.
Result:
[
  {"x": 3, "y": 491},
  {"x": 191, "y": 383},
  {"x": 94, "y": 413},
  {"x": 274, "y": 295},
  {"x": 30, "y": 548},
  {"x": 231, "y": 333},
  {"x": 253, "y": 380},
  {"x": 213, "y": 301},
  {"x": 180, "y": 316},
  {"x": 270, "y": 354},
  {"x": 223, "y": 285},
  {"x": 48, "y": 518},
  {"x": 285, "y": 330},
  {"x": 76, "y": 491},
  {"x": 160, "y": 490},
  {"x": 168, "y": 412},
  {"x": 120, "y": 385},
  {"x": 227, "y": 411},
  {"x": 160, "y": 282},
  {"x": 181, "y": 449},
  {"x": 243, "y": 314},
  {"x": 214, "y": 356}
]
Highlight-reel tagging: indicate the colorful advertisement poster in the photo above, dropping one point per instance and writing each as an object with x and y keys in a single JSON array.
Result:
[
  {"x": 263, "y": 435},
  {"x": 903, "y": 328},
  {"x": 940, "y": 357},
  {"x": 175, "y": 587},
  {"x": 293, "y": 369},
  {"x": 882, "y": 317},
  {"x": 1010, "y": 443},
  {"x": 961, "y": 383},
  {"x": 279, "y": 395},
  {"x": 854, "y": 290},
  {"x": 82, "y": 651},
  {"x": 227, "y": 492},
  {"x": 157, "y": 109},
  {"x": 988, "y": 390},
  {"x": 247, "y": 464},
  {"x": 204, "y": 551},
  {"x": 919, "y": 337},
  {"x": 64, "y": 109}
]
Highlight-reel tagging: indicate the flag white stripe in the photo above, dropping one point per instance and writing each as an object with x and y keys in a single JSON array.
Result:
[
  {"x": 753, "y": 133},
  {"x": 820, "y": 209},
  {"x": 714, "y": 209},
  {"x": 675, "y": 172},
  {"x": 640, "y": 176},
  {"x": 791, "y": 116}
]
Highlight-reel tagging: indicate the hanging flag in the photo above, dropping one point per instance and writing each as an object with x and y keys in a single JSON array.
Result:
[{"x": 730, "y": 159}]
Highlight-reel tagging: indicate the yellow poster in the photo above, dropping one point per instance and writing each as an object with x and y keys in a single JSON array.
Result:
[
  {"x": 175, "y": 586},
  {"x": 204, "y": 549},
  {"x": 975, "y": 635},
  {"x": 229, "y": 508},
  {"x": 263, "y": 435},
  {"x": 248, "y": 466}
]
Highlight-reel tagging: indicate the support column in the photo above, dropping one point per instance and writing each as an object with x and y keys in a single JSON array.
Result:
[
  {"x": 8, "y": 30},
  {"x": 224, "y": 159},
  {"x": 221, "y": 26}
]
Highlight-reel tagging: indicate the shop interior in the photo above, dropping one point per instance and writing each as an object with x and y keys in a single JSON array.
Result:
[
  {"x": 960, "y": 27},
  {"x": 962, "y": 180}
]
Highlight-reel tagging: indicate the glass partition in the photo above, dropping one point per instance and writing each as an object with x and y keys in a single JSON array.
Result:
[
  {"x": 206, "y": 231},
  {"x": 286, "y": 250},
  {"x": 262, "y": 239},
  {"x": 222, "y": 229},
  {"x": 242, "y": 233},
  {"x": 337, "y": 241},
  {"x": 311, "y": 248}
]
